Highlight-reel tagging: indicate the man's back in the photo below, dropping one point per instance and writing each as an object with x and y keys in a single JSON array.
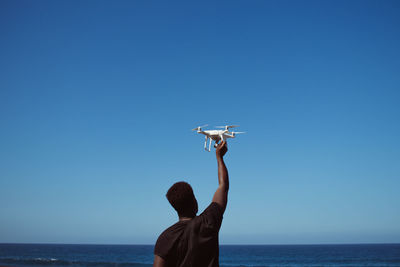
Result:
[{"x": 192, "y": 242}]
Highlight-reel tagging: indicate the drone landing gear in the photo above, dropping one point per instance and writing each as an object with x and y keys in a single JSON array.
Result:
[
  {"x": 222, "y": 138},
  {"x": 209, "y": 145}
]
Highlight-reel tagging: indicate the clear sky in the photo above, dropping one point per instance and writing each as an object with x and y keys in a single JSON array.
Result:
[{"x": 97, "y": 99}]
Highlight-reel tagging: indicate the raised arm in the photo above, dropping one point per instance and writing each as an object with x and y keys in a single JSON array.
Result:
[{"x": 221, "y": 195}]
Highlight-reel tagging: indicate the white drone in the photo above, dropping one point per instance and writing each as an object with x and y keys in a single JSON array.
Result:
[{"x": 216, "y": 135}]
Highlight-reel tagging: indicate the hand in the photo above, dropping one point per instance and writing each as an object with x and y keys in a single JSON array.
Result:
[{"x": 222, "y": 148}]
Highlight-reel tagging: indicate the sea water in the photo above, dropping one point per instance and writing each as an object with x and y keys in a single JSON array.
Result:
[{"x": 230, "y": 255}]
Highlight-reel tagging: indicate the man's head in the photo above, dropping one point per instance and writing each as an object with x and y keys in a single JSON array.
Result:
[{"x": 181, "y": 197}]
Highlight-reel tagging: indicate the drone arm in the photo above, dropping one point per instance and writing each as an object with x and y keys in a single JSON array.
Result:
[{"x": 230, "y": 135}]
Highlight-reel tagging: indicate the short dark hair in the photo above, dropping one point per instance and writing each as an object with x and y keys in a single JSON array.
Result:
[{"x": 182, "y": 198}]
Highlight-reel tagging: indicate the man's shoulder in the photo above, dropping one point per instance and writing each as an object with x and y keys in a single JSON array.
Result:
[
  {"x": 213, "y": 210},
  {"x": 211, "y": 217},
  {"x": 172, "y": 230},
  {"x": 214, "y": 207}
]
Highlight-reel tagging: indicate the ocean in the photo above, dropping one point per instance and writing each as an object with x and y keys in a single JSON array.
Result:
[{"x": 230, "y": 255}]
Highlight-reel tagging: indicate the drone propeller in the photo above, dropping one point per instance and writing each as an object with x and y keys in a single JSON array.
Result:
[
  {"x": 227, "y": 126},
  {"x": 198, "y": 128}
]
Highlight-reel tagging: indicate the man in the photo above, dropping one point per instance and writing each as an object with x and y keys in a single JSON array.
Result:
[{"x": 193, "y": 240}]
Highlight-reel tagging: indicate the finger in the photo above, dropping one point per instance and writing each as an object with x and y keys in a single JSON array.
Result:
[{"x": 221, "y": 145}]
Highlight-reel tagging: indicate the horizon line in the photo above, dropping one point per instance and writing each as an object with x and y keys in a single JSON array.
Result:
[{"x": 227, "y": 244}]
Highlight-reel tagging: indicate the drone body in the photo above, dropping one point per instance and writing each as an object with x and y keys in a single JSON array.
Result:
[{"x": 216, "y": 135}]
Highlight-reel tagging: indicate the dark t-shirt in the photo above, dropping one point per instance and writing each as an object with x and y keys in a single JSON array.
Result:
[{"x": 193, "y": 242}]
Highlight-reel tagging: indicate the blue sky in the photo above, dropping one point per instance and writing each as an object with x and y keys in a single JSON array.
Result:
[{"x": 97, "y": 99}]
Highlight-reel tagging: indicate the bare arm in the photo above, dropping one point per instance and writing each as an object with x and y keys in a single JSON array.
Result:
[
  {"x": 159, "y": 262},
  {"x": 221, "y": 195}
]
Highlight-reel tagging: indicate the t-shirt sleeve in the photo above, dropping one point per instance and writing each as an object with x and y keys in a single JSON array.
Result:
[
  {"x": 163, "y": 246},
  {"x": 212, "y": 216}
]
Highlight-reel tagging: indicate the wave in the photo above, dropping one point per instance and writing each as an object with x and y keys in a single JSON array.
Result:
[{"x": 58, "y": 262}]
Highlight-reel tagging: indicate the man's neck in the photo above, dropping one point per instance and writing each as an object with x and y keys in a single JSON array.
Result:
[{"x": 185, "y": 219}]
